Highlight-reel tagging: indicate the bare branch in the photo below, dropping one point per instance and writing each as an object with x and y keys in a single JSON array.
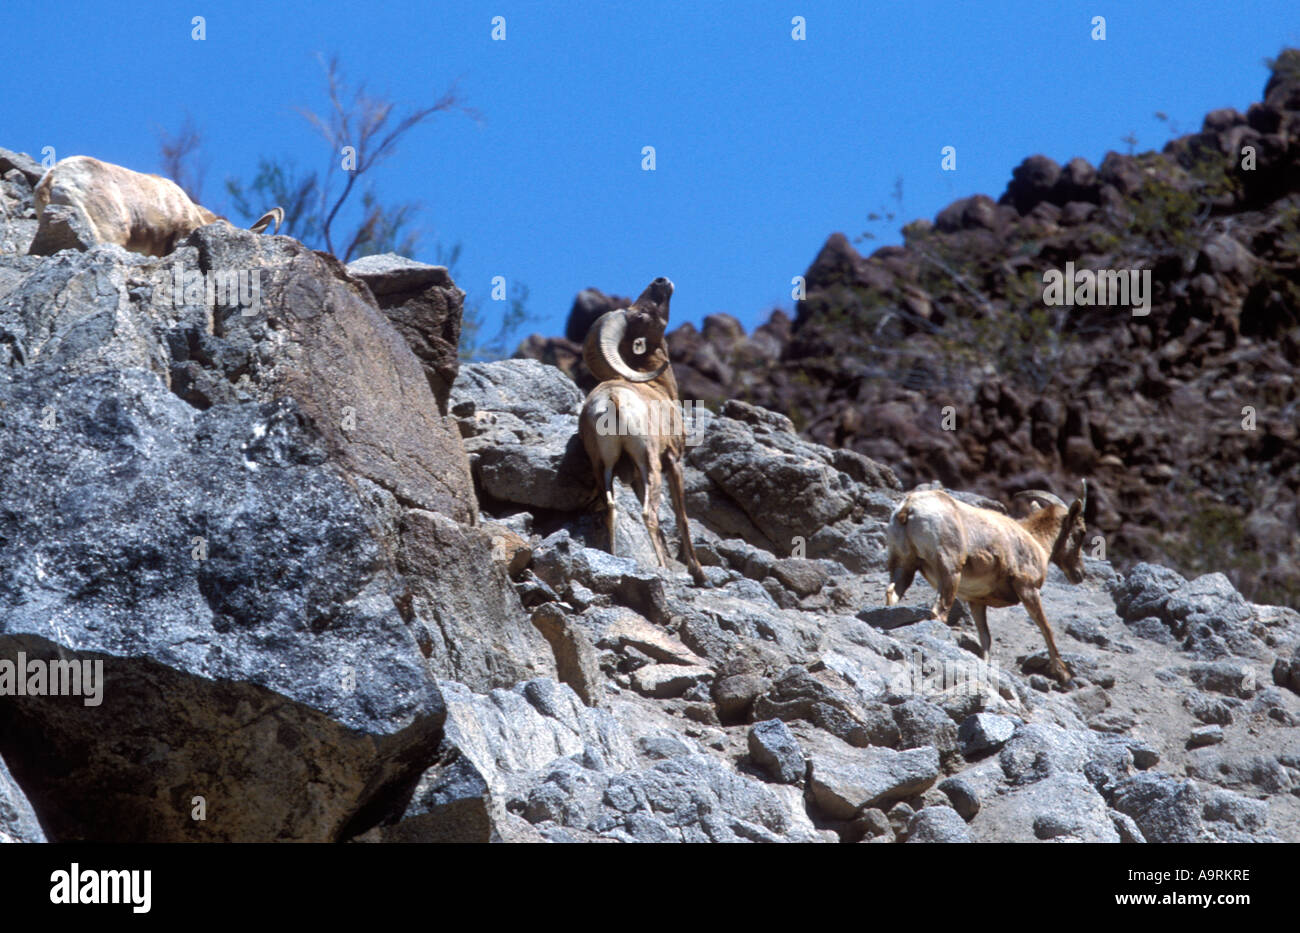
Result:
[
  {"x": 179, "y": 161},
  {"x": 367, "y": 125}
]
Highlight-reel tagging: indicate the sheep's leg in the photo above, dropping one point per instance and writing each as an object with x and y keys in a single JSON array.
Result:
[
  {"x": 611, "y": 513},
  {"x": 603, "y": 453},
  {"x": 979, "y": 612},
  {"x": 677, "y": 489},
  {"x": 948, "y": 583},
  {"x": 650, "y": 511},
  {"x": 901, "y": 573},
  {"x": 1034, "y": 606}
]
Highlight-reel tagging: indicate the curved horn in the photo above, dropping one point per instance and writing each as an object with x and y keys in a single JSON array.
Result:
[
  {"x": 601, "y": 355},
  {"x": 275, "y": 214},
  {"x": 1042, "y": 494}
]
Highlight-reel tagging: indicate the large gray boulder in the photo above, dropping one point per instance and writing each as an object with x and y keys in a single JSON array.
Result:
[
  {"x": 1061, "y": 808},
  {"x": 496, "y": 749},
  {"x": 844, "y": 780},
  {"x": 1209, "y": 617},
  {"x": 775, "y": 749},
  {"x": 249, "y": 508},
  {"x": 1041, "y": 750},
  {"x": 520, "y": 423},
  {"x": 824, "y": 699},
  {"x": 424, "y": 305},
  {"x": 789, "y": 496},
  {"x": 937, "y": 824},
  {"x": 1165, "y": 808}
]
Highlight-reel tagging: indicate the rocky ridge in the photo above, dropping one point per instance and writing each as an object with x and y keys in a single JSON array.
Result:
[{"x": 346, "y": 589}]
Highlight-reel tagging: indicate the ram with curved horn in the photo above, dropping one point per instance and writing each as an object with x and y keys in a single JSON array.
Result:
[
  {"x": 635, "y": 411},
  {"x": 987, "y": 558}
]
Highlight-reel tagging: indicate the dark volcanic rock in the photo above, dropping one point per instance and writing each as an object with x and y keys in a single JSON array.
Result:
[
  {"x": 425, "y": 307},
  {"x": 590, "y": 304}
]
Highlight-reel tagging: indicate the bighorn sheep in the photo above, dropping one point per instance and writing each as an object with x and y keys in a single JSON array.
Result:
[
  {"x": 143, "y": 213},
  {"x": 636, "y": 412},
  {"x": 985, "y": 557}
]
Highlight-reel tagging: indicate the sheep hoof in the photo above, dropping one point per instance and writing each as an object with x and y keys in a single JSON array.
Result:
[{"x": 891, "y": 598}]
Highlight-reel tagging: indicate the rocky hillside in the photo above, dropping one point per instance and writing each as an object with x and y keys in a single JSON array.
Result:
[
  {"x": 345, "y": 590},
  {"x": 1150, "y": 408}
]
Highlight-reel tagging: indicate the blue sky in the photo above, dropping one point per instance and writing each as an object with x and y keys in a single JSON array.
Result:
[{"x": 764, "y": 145}]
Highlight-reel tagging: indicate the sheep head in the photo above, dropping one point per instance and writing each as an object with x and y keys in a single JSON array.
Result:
[
  {"x": 621, "y": 339},
  {"x": 1067, "y": 551}
]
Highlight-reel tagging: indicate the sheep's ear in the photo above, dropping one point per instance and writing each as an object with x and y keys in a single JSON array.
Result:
[{"x": 1081, "y": 503}]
